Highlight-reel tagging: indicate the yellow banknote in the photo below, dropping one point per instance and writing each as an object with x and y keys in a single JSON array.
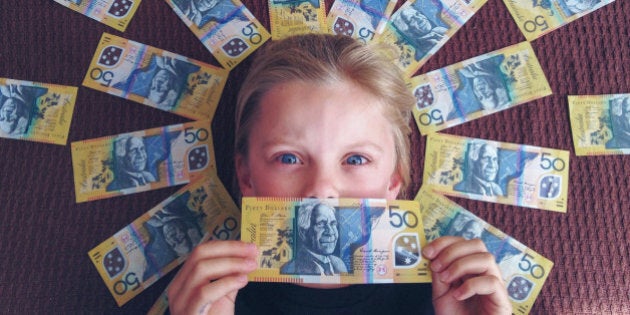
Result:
[
  {"x": 359, "y": 19},
  {"x": 537, "y": 18},
  {"x": 114, "y": 13},
  {"x": 161, "y": 239},
  {"x": 293, "y": 17},
  {"x": 523, "y": 270},
  {"x": 477, "y": 87},
  {"x": 226, "y": 28},
  {"x": 420, "y": 28},
  {"x": 335, "y": 240},
  {"x": 143, "y": 160},
  {"x": 500, "y": 172},
  {"x": 600, "y": 123},
  {"x": 34, "y": 111},
  {"x": 156, "y": 78}
]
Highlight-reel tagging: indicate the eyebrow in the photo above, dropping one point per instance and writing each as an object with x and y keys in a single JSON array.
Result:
[{"x": 367, "y": 144}]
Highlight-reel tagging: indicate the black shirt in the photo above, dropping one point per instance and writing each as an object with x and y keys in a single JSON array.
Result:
[{"x": 281, "y": 298}]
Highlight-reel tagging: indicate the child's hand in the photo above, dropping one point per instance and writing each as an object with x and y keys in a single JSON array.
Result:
[
  {"x": 211, "y": 277},
  {"x": 466, "y": 279}
]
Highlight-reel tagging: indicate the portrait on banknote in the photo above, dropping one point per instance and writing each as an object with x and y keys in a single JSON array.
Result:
[
  {"x": 483, "y": 87},
  {"x": 468, "y": 228},
  {"x": 421, "y": 25},
  {"x": 162, "y": 82},
  {"x": 620, "y": 123},
  {"x": 482, "y": 164},
  {"x": 462, "y": 225},
  {"x": 202, "y": 12},
  {"x": 18, "y": 105},
  {"x": 173, "y": 232},
  {"x": 317, "y": 243},
  {"x": 132, "y": 167}
]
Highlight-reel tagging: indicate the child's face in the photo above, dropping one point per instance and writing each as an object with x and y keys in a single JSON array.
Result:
[{"x": 322, "y": 141}]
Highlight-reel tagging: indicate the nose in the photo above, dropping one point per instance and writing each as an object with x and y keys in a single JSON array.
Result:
[{"x": 321, "y": 183}]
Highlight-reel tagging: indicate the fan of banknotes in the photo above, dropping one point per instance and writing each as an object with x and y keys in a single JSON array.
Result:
[{"x": 394, "y": 231}]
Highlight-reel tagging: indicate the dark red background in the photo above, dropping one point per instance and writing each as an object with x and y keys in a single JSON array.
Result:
[{"x": 45, "y": 235}]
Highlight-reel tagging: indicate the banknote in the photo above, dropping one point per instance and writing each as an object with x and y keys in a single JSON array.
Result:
[
  {"x": 35, "y": 111},
  {"x": 143, "y": 160},
  {"x": 335, "y": 240},
  {"x": 500, "y": 172},
  {"x": 523, "y": 270},
  {"x": 114, "y": 13},
  {"x": 419, "y": 28},
  {"x": 600, "y": 123},
  {"x": 477, "y": 87},
  {"x": 360, "y": 19},
  {"x": 225, "y": 27},
  {"x": 161, "y": 239},
  {"x": 539, "y": 17},
  {"x": 156, "y": 78},
  {"x": 293, "y": 17}
]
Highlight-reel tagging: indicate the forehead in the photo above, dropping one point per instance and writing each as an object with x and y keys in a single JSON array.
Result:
[
  {"x": 480, "y": 79},
  {"x": 306, "y": 102},
  {"x": 339, "y": 94},
  {"x": 488, "y": 150},
  {"x": 135, "y": 142},
  {"x": 323, "y": 211}
]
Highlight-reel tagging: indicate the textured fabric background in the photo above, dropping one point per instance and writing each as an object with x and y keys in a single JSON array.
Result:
[{"x": 45, "y": 235}]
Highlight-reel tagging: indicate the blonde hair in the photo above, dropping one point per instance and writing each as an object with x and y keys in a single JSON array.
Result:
[{"x": 322, "y": 58}]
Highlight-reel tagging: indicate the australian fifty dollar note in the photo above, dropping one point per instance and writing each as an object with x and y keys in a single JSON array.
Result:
[
  {"x": 114, "y": 13},
  {"x": 507, "y": 173},
  {"x": 537, "y": 18},
  {"x": 226, "y": 28},
  {"x": 142, "y": 160},
  {"x": 335, "y": 240},
  {"x": 600, "y": 123},
  {"x": 161, "y": 239},
  {"x": 477, "y": 87},
  {"x": 34, "y": 111},
  {"x": 156, "y": 78},
  {"x": 524, "y": 271},
  {"x": 420, "y": 28}
]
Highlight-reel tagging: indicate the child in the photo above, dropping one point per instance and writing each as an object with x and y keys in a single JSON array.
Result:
[{"x": 325, "y": 116}]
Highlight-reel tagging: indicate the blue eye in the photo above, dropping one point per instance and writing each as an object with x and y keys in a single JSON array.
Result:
[
  {"x": 288, "y": 158},
  {"x": 356, "y": 160}
]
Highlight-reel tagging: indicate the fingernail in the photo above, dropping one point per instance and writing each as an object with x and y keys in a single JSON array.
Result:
[
  {"x": 444, "y": 276},
  {"x": 457, "y": 294},
  {"x": 428, "y": 252}
]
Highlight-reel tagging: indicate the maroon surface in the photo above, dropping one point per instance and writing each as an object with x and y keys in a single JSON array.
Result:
[{"x": 45, "y": 235}]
